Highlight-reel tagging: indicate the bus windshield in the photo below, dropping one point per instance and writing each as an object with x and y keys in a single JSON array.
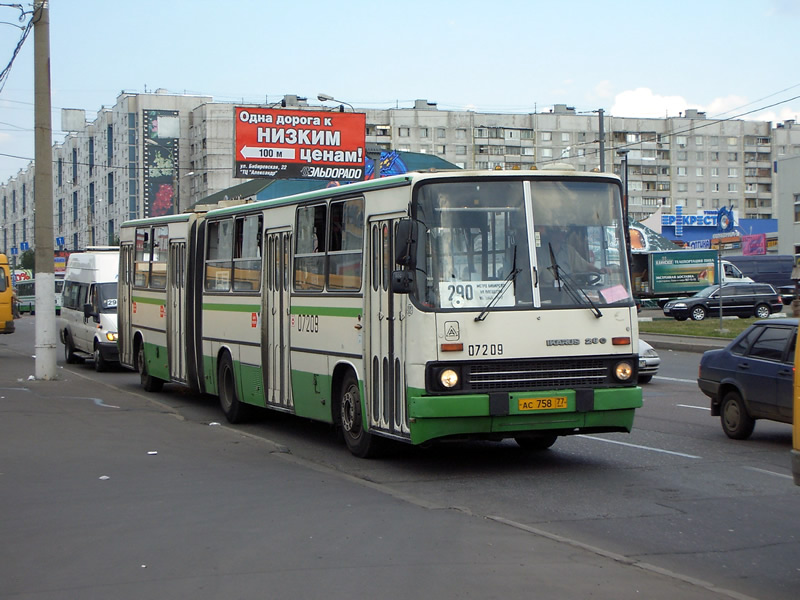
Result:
[{"x": 520, "y": 243}]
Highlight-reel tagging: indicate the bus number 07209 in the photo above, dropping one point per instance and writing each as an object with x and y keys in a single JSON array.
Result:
[{"x": 485, "y": 349}]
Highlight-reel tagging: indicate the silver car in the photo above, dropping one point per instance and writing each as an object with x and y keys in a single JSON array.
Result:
[{"x": 648, "y": 362}]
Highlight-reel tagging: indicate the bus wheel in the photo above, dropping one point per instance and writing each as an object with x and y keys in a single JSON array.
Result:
[
  {"x": 538, "y": 442},
  {"x": 69, "y": 350},
  {"x": 149, "y": 383},
  {"x": 360, "y": 442},
  {"x": 235, "y": 410}
]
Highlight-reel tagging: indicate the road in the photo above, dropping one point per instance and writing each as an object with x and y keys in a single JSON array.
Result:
[{"x": 675, "y": 509}]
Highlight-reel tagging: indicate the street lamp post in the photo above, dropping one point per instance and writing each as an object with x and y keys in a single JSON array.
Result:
[{"x": 327, "y": 98}]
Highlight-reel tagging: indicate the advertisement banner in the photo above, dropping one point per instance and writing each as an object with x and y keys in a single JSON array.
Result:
[
  {"x": 295, "y": 144},
  {"x": 160, "y": 151},
  {"x": 754, "y": 244},
  {"x": 683, "y": 271}
]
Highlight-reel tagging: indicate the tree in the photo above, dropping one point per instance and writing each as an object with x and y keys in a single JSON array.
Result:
[{"x": 27, "y": 260}]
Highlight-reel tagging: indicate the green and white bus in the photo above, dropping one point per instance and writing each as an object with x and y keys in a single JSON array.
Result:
[
  {"x": 417, "y": 307},
  {"x": 26, "y": 294}
]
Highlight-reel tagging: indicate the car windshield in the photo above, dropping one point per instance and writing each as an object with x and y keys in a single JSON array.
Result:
[
  {"x": 107, "y": 297},
  {"x": 519, "y": 243}
]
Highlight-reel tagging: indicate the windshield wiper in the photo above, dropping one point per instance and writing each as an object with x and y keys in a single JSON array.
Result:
[
  {"x": 506, "y": 282},
  {"x": 565, "y": 280}
]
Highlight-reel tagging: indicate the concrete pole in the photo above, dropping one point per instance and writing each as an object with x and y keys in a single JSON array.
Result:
[
  {"x": 602, "y": 136},
  {"x": 45, "y": 363}
]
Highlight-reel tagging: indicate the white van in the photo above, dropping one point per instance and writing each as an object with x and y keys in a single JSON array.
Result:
[
  {"x": 88, "y": 323},
  {"x": 732, "y": 274}
]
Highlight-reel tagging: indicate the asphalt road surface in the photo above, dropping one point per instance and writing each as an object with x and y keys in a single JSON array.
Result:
[{"x": 109, "y": 492}]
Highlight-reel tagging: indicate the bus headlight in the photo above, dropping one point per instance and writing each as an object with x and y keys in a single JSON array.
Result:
[
  {"x": 448, "y": 378},
  {"x": 111, "y": 337},
  {"x": 623, "y": 371}
]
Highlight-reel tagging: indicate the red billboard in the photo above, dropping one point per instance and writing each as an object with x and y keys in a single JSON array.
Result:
[{"x": 299, "y": 144}]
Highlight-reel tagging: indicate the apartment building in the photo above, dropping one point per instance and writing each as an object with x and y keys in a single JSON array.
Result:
[{"x": 159, "y": 153}]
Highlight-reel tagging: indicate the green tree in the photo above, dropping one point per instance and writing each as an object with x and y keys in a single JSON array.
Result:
[{"x": 27, "y": 260}]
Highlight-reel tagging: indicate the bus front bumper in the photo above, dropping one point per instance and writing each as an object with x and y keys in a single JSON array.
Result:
[{"x": 505, "y": 415}]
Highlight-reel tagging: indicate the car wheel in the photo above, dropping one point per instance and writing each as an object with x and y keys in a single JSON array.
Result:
[
  {"x": 536, "y": 443},
  {"x": 100, "y": 363},
  {"x": 736, "y": 422},
  {"x": 762, "y": 311},
  {"x": 69, "y": 350},
  {"x": 698, "y": 313},
  {"x": 645, "y": 378}
]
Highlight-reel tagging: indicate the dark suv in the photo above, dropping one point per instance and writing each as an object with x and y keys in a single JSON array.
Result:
[{"x": 739, "y": 299}]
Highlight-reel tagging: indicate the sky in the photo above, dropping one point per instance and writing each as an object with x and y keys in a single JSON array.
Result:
[{"x": 638, "y": 58}]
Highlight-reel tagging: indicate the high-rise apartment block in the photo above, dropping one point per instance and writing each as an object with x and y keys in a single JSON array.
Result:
[{"x": 158, "y": 153}]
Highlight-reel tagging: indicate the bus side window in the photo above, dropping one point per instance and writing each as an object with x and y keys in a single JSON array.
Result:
[
  {"x": 345, "y": 245},
  {"x": 218, "y": 256},
  {"x": 309, "y": 261},
  {"x": 247, "y": 254}
]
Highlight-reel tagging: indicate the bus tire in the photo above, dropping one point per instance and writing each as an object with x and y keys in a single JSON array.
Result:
[
  {"x": 235, "y": 410},
  {"x": 149, "y": 383},
  {"x": 536, "y": 443},
  {"x": 360, "y": 442},
  {"x": 69, "y": 350}
]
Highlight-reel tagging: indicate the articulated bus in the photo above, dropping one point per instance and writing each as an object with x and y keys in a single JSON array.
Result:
[
  {"x": 6, "y": 297},
  {"x": 418, "y": 307}
]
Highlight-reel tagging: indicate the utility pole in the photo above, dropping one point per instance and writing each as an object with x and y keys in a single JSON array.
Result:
[
  {"x": 45, "y": 364},
  {"x": 602, "y": 136}
]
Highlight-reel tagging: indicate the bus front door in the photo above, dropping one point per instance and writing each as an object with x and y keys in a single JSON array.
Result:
[
  {"x": 384, "y": 372},
  {"x": 176, "y": 314},
  {"x": 275, "y": 316}
]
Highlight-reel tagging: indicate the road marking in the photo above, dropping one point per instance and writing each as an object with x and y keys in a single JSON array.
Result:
[
  {"x": 591, "y": 437},
  {"x": 696, "y": 407},
  {"x": 768, "y": 472},
  {"x": 676, "y": 379}
]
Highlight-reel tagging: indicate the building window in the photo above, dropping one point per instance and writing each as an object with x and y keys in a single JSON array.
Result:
[
  {"x": 547, "y": 153},
  {"x": 698, "y": 171},
  {"x": 74, "y": 207},
  {"x": 633, "y": 138},
  {"x": 680, "y": 140},
  {"x": 733, "y": 156},
  {"x": 681, "y": 172},
  {"x": 546, "y": 136},
  {"x": 461, "y": 150},
  {"x": 698, "y": 140},
  {"x": 110, "y": 192},
  {"x": 700, "y": 187},
  {"x": 441, "y": 133},
  {"x": 715, "y": 187},
  {"x": 683, "y": 155},
  {"x": 461, "y": 134},
  {"x": 715, "y": 171},
  {"x": 700, "y": 156},
  {"x": 403, "y": 131},
  {"x": 565, "y": 137},
  {"x": 733, "y": 141},
  {"x": 733, "y": 172},
  {"x": 91, "y": 156},
  {"x": 732, "y": 187},
  {"x": 423, "y": 132}
]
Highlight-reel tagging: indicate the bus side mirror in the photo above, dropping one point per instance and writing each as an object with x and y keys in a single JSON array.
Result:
[
  {"x": 405, "y": 253},
  {"x": 402, "y": 282}
]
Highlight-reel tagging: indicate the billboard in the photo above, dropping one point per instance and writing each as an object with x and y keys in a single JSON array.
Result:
[
  {"x": 161, "y": 144},
  {"x": 295, "y": 144}
]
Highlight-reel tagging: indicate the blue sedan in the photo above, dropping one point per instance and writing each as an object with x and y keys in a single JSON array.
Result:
[{"x": 752, "y": 378}]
